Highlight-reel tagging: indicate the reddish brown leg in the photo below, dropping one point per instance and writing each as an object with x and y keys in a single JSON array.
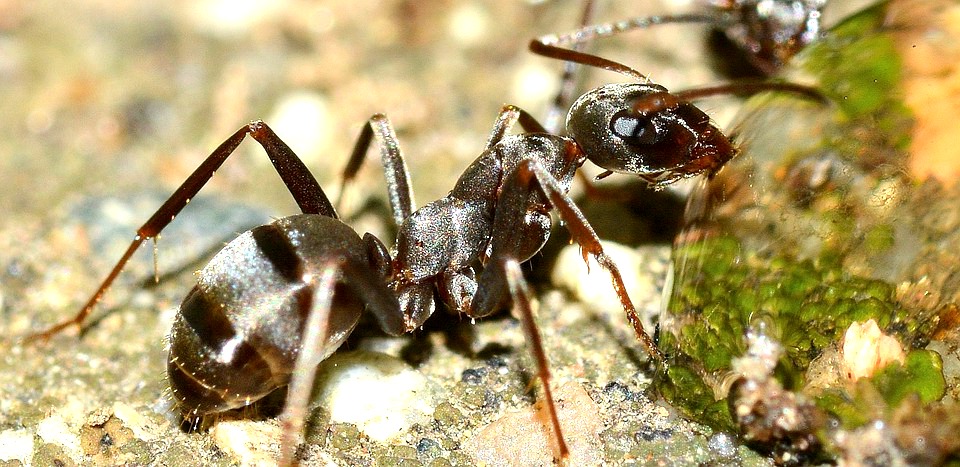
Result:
[
  {"x": 368, "y": 285},
  {"x": 520, "y": 293},
  {"x": 507, "y": 238},
  {"x": 295, "y": 175},
  {"x": 305, "y": 369},
  {"x": 501, "y": 273}
]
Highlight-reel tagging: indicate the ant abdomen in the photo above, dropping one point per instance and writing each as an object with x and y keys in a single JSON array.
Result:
[
  {"x": 642, "y": 129},
  {"x": 238, "y": 333}
]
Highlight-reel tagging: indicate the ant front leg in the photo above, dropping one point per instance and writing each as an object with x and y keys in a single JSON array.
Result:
[
  {"x": 295, "y": 175},
  {"x": 507, "y": 239}
]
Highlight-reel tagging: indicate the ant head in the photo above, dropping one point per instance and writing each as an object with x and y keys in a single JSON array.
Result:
[{"x": 643, "y": 129}]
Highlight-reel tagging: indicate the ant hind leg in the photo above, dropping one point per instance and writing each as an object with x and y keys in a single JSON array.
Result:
[
  {"x": 322, "y": 325},
  {"x": 295, "y": 175}
]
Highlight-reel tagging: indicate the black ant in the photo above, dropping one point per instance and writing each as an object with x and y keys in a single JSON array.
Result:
[
  {"x": 767, "y": 32},
  {"x": 280, "y": 298}
]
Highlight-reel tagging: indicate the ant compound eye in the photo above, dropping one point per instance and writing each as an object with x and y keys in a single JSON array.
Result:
[{"x": 635, "y": 129}]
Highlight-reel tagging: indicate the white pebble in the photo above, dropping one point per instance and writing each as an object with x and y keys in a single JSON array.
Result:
[
  {"x": 16, "y": 445},
  {"x": 380, "y": 394},
  {"x": 594, "y": 288}
]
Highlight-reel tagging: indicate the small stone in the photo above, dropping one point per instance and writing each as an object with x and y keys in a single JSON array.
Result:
[
  {"x": 380, "y": 394},
  {"x": 447, "y": 414},
  {"x": 476, "y": 397},
  {"x": 617, "y": 391},
  {"x": 343, "y": 436},
  {"x": 441, "y": 462},
  {"x": 402, "y": 452},
  {"x": 473, "y": 375},
  {"x": 248, "y": 441},
  {"x": 98, "y": 417},
  {"x": 102, "y": 441},
  {"x": 522, "y": 438},
  {"x": 16, "y": 445},
  {"x": 722, "y": 444},
  {"x": 428, "y": 448}
]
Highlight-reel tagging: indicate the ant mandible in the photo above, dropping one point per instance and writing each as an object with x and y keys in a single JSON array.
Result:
[{"x": 280, "y": 298}]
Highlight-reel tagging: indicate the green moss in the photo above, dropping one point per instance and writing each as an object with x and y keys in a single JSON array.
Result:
[
  {"x": 921, "y": 374},
  {"x": 808, "y": 305},
  {"x": 880, "y": 238},
  {"x": 788, "y": 259},
  {"x": 687, "y": 391},
  {"x": 849, "y": 411},
  {"x": 878, "y": 396},
  {"x": 858, "y": 67}
]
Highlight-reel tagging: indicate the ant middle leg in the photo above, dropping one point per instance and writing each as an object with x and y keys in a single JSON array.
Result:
[
  {"x": 296, "y": 177},
  {"x": 395, "y": 169},
  {"x": 399, "y": 188}
]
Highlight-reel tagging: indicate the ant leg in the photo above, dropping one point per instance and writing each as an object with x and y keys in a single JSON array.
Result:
[
  {"x": 568, "y": 83},
  {"x": 521, "y": 294},
  {"x": 295, "y": 175},
  {"x": 305, "y": 368},
  {"x": 394, "y": 167},
  {"x": 508, "y": 239},
  {"x": 509, "y": 116},
  {"x": 552, "y": 46},
  {"x": 369, "y": 287}
]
